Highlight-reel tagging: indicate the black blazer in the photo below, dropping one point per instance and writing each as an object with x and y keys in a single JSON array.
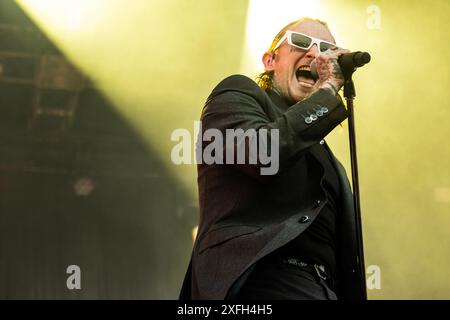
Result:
[{"x": 245, "y": 216}]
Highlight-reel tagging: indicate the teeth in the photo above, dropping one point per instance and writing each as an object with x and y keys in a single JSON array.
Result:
[{"x": 304, "y": 68}]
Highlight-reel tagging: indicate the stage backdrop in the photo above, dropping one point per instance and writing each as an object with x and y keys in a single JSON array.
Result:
[{"x": 92, "y": 90}]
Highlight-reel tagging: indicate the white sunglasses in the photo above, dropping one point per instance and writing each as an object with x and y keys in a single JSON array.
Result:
[{"x": 305, "y": 42}]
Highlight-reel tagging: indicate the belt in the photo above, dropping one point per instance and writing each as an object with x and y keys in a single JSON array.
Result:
[{"x": 317, "y": 270}]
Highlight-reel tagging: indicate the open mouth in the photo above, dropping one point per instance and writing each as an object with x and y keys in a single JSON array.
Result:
[{"x": 304, "y": 76}]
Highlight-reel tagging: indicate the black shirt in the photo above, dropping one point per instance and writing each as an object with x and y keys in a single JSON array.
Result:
[{"x": 317, "y": 244}]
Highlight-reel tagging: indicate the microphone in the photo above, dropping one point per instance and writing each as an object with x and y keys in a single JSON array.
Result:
[{"x": 348, "y": 62}]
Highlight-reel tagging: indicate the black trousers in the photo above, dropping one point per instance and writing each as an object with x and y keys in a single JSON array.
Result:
[{"x": 274, "y": 280}]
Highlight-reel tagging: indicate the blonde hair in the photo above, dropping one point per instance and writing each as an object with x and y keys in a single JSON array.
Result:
[{"x": 265, "y": 79}]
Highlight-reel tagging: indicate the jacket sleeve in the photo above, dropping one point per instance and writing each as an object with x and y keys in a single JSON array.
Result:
[{"x": 301, "y": 126}]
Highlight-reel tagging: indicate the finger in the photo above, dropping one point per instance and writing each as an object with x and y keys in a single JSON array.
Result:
[
  {"x": 341, "y": 51},
  {"x": 335, "y": 53}
]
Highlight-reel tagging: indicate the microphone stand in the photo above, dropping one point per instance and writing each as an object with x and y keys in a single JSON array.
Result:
[{"x": 349, "y": 94}]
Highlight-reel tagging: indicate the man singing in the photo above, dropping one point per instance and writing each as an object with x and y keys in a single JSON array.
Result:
[{"x": 289, "y": 235}]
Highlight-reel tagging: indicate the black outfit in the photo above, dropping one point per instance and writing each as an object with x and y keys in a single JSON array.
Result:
[
  {"x": 253, "y": 225},
  {"x": 274, "y": 279},
  {"x": 318, "y": 243}
]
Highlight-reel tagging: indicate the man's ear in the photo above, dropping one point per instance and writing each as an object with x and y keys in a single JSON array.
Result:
[{"x": 267, "y": 60}]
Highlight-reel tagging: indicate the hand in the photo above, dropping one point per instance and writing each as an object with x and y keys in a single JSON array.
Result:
[{"x": 328, "y": 70}]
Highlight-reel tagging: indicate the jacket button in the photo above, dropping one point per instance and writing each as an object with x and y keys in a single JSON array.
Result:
[
  {"x": 304, "y": 219},
  {"x": 317, "y": 204}
]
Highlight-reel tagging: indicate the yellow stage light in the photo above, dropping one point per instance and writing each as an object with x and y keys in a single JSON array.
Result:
[
  {"x": 264, "y": 20},
  {"x": 67, "y": 15}
]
